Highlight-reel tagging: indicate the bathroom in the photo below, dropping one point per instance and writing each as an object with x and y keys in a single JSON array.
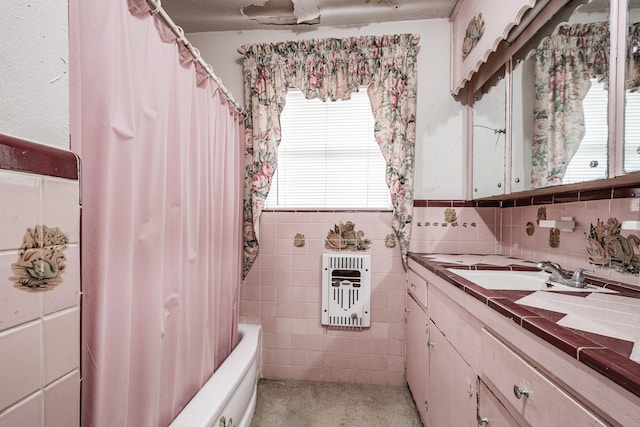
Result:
[{"x": 281, "y": 290}]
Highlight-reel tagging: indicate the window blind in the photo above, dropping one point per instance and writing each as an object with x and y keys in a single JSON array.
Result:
[
  {"x": 632, "y": 131},
  {"x": 328, "y": 157},
  {"x": 594, "y": 144}
]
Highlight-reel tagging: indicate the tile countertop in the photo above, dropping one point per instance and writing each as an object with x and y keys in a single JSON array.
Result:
[{"x": 608, "y": 356}]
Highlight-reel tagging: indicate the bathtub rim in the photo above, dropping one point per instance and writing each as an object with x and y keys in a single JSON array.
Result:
[{"x": 204, "y": 409}]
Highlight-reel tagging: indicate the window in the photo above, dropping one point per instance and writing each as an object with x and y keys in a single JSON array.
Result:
[{"x": 328, "y": 157}]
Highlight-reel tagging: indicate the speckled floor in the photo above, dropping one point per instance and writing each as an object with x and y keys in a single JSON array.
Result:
[{"x": 317, "y": 404}]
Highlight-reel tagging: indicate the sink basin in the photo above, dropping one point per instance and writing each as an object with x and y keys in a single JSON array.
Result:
[{"x": 519, "y": 281}]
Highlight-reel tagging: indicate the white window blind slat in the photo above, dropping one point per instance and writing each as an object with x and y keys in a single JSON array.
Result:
[
  {"x": 594, "y": 144},
  {"x": 632, "y": 132},
  {"x": 328, "y": 157}
]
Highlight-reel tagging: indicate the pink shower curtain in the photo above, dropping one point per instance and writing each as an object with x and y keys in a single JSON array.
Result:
[{"x": 161, "y": 215}]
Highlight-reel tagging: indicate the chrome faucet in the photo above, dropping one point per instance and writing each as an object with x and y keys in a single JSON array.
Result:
[{"x": 560, "y": 276}]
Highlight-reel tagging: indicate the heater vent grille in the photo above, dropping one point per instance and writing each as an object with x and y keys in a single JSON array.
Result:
[{"x": 346, "y": 290}]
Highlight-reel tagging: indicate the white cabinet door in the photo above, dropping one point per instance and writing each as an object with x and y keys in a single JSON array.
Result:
[
  {"x": 452, "y": 385},
  {"x": 417, "y": 355},
  {"x": 491, "y": 412}
]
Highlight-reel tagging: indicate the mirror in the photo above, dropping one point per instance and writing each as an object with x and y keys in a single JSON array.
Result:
[
  {"x": 560, "y": 100},
  {"x": 631, "y": 153},
  {"x": 489, "y": 139}
]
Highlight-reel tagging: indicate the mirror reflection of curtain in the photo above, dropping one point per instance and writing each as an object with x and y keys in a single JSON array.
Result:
[
  {"x": 633, "y": 58},
  {"x": 565, "y": 63}
]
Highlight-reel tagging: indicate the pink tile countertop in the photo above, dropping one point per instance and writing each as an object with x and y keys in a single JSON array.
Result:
[{"x": 606, "y": 355}]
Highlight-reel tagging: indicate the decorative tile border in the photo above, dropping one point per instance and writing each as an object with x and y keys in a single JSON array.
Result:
[{"x": 25, "y": 156}]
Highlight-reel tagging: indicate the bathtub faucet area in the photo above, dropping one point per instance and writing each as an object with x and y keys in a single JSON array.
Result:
[{"x": 563, "y": 277}]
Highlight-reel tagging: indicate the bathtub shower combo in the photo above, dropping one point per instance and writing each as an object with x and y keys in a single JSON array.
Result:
[{"x": 228, "y": 398}]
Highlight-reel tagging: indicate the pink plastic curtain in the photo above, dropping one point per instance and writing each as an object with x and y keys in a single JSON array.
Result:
[{"x": 162, "y": 178}]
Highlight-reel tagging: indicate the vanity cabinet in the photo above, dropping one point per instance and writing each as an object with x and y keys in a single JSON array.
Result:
[
  {"x": 539, "y": 400},
  {"x": 491, "y": 412},
  {"x": 441, "y": 382},
  {"x": 452, "y": 384},
  {"x": 418, "y": 355},
  {"x": 476, "y": 355},
  {"x": 418, "y": 346}
]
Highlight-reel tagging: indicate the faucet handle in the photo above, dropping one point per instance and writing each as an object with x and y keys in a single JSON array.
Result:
[
  {"x": 578, "y": 274},
  {"x": 554, "y": 265}
]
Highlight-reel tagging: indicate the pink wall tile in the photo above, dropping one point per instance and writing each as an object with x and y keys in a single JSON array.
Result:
[
  {"x": 16, "y": 306},
  {"x": 57, "y": 196},
  {"x": 291, "y": 277},
  {"x": 27, "y": 412},
  {"x": 20, "y": 361},
  {"x": 23, "y": 210},
  {"x": 625, "y": 209},
  {"x": 67, "y": 293},
  {"x": 62, "y": 402},
  {"x": 571, "y": 253},
  {"x": 61, "y": 343}
]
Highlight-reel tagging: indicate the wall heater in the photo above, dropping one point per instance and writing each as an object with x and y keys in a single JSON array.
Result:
[{"x": 346, "y": 290}]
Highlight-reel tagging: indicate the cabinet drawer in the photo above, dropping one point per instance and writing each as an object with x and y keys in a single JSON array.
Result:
[
  {"x": 541, "y": 402},
  {"x": 417, "y": 286}
]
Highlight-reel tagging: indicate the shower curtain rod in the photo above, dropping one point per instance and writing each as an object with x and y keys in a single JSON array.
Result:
[{"x": 156, "y": 9}]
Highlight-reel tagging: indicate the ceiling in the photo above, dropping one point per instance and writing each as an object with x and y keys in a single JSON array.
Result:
[{"x": 230, "y": 15}]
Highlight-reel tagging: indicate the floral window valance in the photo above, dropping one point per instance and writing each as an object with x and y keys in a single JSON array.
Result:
[
  {"x": 633, "y": 58},
  {"x": 331, "y": 69}
]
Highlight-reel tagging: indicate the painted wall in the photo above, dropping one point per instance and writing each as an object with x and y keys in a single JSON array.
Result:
[
  {"x": 34, "y": 81},
  {"x": 440, "y": 152}
]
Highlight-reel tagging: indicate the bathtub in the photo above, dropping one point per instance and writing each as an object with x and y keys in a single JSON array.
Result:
[{"x": 231, "y": 390}]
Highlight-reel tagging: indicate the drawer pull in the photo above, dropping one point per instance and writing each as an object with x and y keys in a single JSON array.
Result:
[
  {"x": 483, "y": 421},
  {"x": 518, "y": 392}
]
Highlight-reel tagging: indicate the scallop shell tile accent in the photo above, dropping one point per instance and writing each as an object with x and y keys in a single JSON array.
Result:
[{"x": 345, "y": 236}]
